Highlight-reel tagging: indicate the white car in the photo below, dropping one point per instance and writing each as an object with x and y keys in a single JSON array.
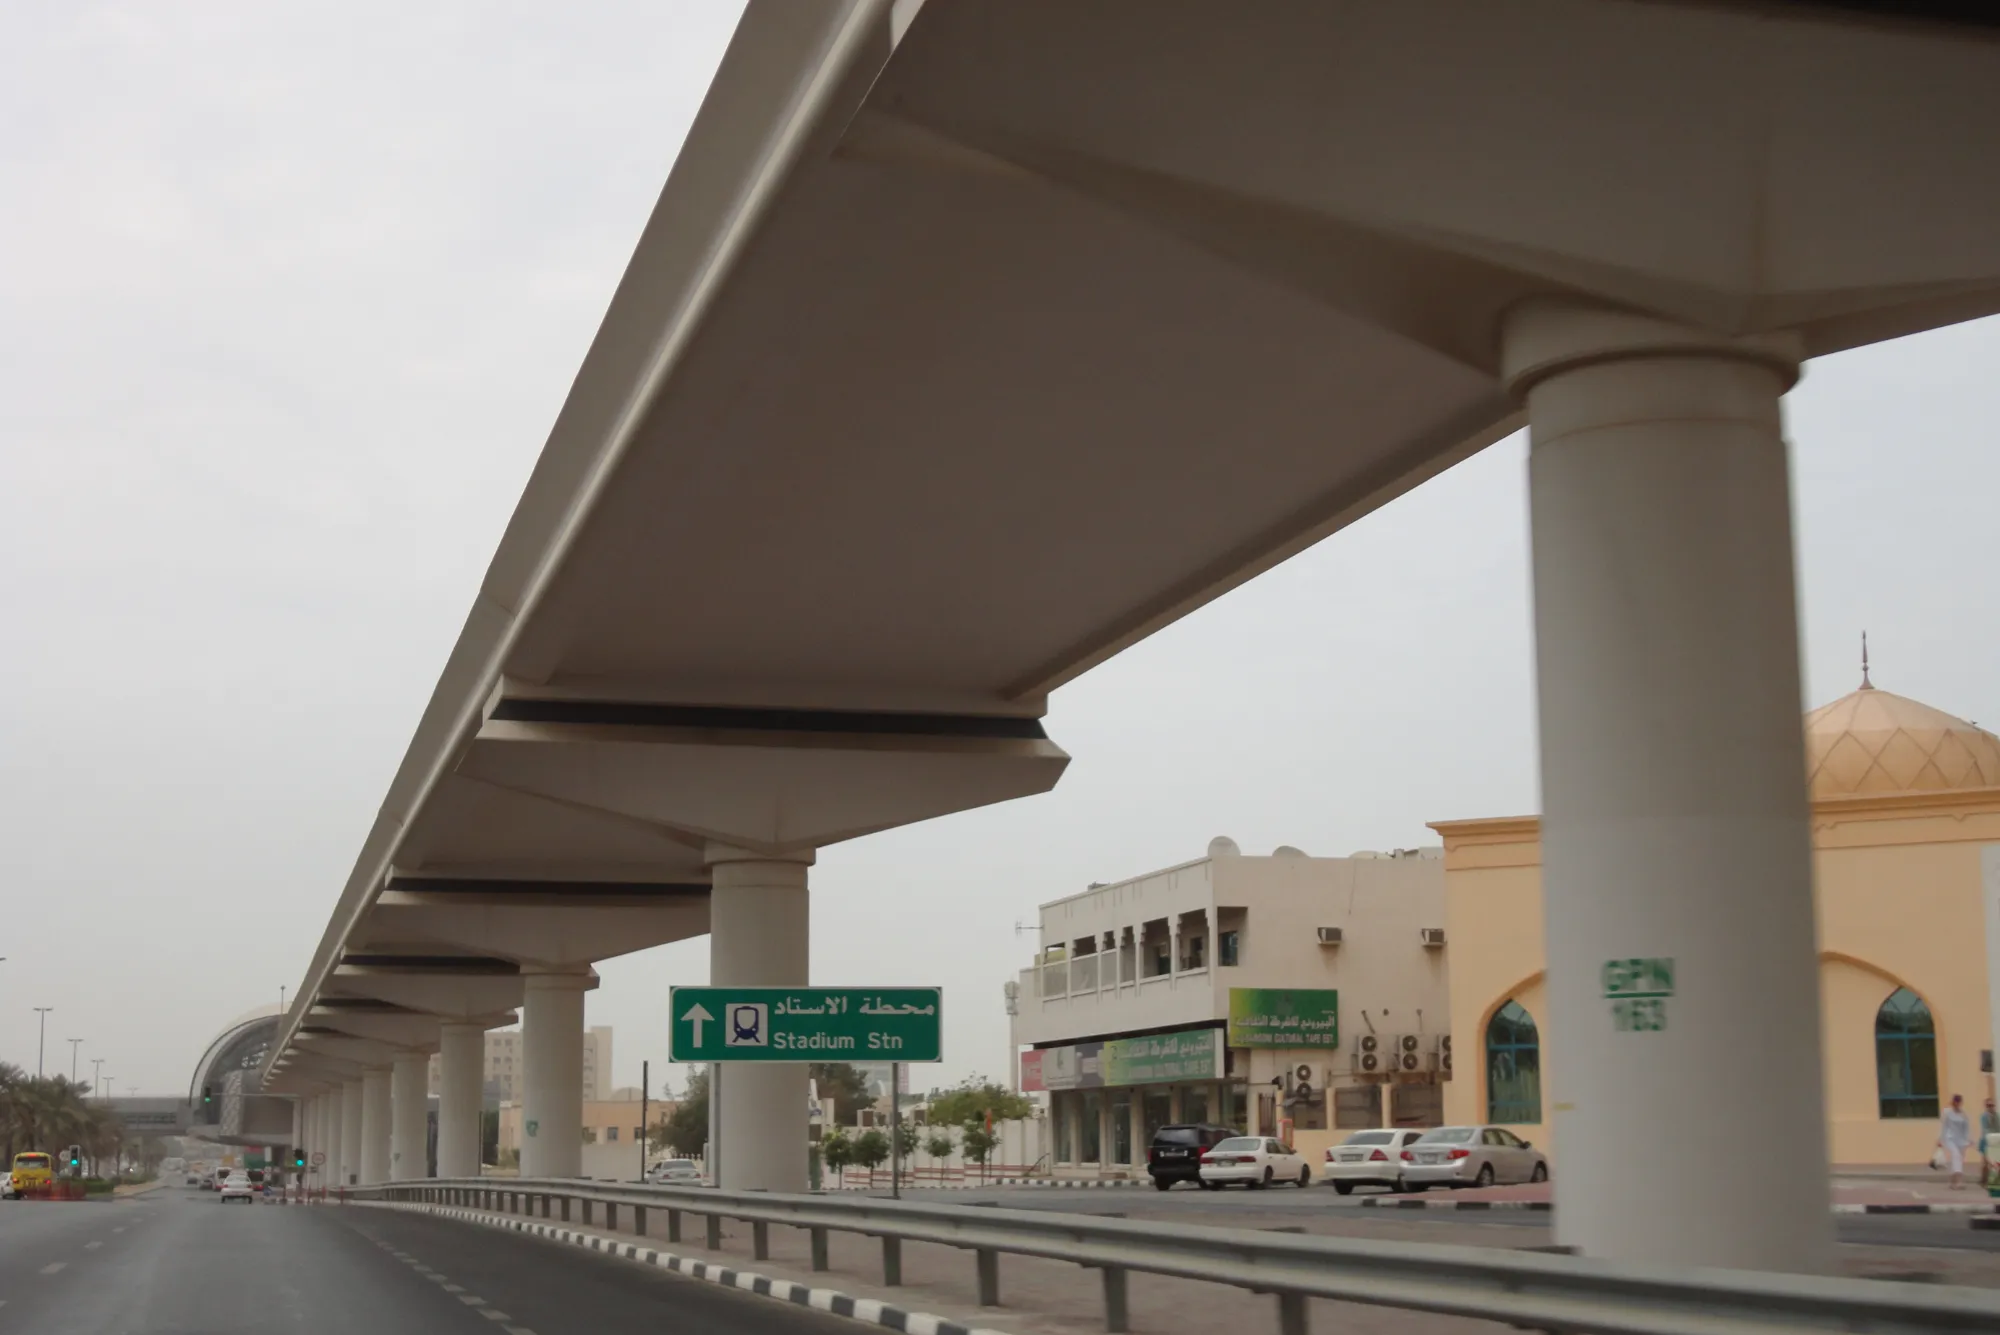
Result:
[
  {"x": 1255, "y": 1161},
  {"x": 237, "y": 1187},
  {"x": 1472, "y": 1156},
  {"x": 683, "y": 1171},
  {"x": 1370, "y": 1159}
]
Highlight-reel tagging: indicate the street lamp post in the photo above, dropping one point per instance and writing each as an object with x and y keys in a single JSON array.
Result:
[
  {"x": 42, "y": 1039},
  {"x": 96, "y": 1075},
  {"x": 74, "y": 1045}
]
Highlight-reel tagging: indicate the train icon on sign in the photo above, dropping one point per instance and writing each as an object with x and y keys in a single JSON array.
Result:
[{"x": 748, "y": 1024}]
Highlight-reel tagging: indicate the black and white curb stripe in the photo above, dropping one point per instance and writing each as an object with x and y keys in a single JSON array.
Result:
[
  {"x": 869, "y": 1310},
  {"x": 1077, "y": 1185},
  {"x": 1945, "y": 1207}
]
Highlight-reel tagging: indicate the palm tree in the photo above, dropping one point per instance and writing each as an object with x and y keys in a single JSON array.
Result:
[{"x": 50, "y": 1113}]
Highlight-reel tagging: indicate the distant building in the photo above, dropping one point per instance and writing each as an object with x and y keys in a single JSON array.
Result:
[{"x": 504, "y": 1065}]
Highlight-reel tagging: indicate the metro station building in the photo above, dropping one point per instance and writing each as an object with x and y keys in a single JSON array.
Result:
[
  {"x": 1282, "y": 994},
  {"x": 1906, "y": 862}
]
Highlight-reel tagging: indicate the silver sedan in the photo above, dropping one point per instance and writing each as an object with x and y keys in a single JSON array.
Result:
[{"x": 1471, "y": 1156}]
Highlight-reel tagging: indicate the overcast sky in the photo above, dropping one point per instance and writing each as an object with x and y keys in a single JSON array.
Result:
[{"x": 289, "y": 296}]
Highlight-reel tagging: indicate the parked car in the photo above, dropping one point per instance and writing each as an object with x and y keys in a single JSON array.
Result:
[
  {"x": 1369, "y": 1159},
  {"x": 1175, "y": 1152},
  {"x": 238, "y": 1187},
  {"x": 674, "y": 1170},
  {"x": 1472, "y": 1156},
  {"x": 1254, "y": 1161}
]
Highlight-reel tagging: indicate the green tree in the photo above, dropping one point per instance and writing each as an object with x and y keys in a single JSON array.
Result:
[
  {"x": 489, "y": 1136},
  {"x": 842, "y": 1083},
  {"x": 979, "y": 1144},
  {"x": 871, "y": 1147},
  {"x": 837, "y": 1150},
  {"x": 686, "y": 1132},
  {"x": 976, "y": 1098},
  {"x": 907, "y": 1139},
  {"x": 938, "y": 1144}
]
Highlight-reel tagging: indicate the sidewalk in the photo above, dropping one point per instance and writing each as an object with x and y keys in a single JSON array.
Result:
[{"x": 1930, "y": 1192}]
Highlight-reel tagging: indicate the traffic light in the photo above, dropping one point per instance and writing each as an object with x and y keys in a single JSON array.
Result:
[
  {"x": 207, "y": 1094},
  {"x": 75, "y": 1158},
  {"x": 299, "y": 1160}
]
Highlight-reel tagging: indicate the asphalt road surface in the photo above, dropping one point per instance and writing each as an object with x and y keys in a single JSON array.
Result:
[{"x": 178, "y": 1262}]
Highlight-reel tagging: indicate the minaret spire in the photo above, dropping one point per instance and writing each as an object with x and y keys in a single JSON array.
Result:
[{"x": 1866, "y": 684}]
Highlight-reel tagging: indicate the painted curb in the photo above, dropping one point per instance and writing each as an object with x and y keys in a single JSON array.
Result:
[
  {"x": 868, "y": 1310},
  {"x": 1948, "y": 1207},
  {"x": 1087, "y": 1184}
]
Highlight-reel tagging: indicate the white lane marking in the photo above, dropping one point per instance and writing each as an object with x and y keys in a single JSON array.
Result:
[
  {"x": 454, "y": 1288},
  {"x": 119, "y": 1229},
  {"x": 519, "y": 1330},
  {"x": 494, "y": 1314},
  {"x": 92, "y": 1245},
  {"x": 472, "y": 1300},
  {"x": 53, "y": 1266}
]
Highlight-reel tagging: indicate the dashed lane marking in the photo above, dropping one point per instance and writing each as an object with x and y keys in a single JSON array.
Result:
[
  {"x": 92, "y": 1245},
  {"x": 454, "y": 1288},
  {"x": 53, "y": 1266},
  {"x": 494, "y": 1314},
  {"x": 472, "y": 1300}
]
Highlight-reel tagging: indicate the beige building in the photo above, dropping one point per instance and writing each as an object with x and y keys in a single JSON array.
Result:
[
  {"x": 1906, "y": 870},
  {"x": 504, "y": 1068},
  {"x": 1281, "y": 994},
  {"x": 605, "y": 1121}
]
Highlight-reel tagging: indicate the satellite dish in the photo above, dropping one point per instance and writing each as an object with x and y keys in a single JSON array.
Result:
[
  {"x": 1287, "y": 851},
  {"x": 1222, "y": 846}
]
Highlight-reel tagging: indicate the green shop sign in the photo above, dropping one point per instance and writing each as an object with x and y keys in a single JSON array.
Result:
[
  {"x": 1185, "y": 1054},
  {"x": 1284, "y": 1017},
  {"x": 1638, "y": 990}
]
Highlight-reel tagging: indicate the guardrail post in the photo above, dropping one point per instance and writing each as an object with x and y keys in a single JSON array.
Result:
[
  {"x": 715, "y": 1232},
  {"x": 548, "y": 1208},
  {"x": 760, "y": 1240},
  {"x": 819, "y": 1248},
  {"x": 1292, "y": 1314},
  {"x": 892, "y": 1262},
  {"x": 639, "y": 1220},
  {"x": 1117, "y": 1316},
  {"x": 673, "y": 1226},
  {"x": 988, "y": 1262},
  {"x": 565, "y": 1209},
  {"x": 587, "y": 1211},
  {"x": 611, "y": 1214}
]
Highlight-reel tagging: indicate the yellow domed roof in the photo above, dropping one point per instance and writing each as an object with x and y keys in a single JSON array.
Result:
[{"x": 1879, "y": 742}]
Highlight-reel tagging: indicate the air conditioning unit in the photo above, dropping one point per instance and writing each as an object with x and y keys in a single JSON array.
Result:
[
  {"x": 1433, "y": 937},
  {"x": 1408, "y": 1052},
  {"x": 1443, "y": 1055},
  {"x": 1369, "y": 1057},
  {"x": 1329, "y": 936}
]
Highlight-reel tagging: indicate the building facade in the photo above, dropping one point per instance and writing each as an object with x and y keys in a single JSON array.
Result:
[
  {"x": 504, "y": 1065},
  {"x": 1283, "y": 994},
  {"x": 1906, "y": 856}
]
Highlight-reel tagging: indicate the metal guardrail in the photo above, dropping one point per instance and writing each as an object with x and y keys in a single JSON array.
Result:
[{"x": 1534, "y": 1291}]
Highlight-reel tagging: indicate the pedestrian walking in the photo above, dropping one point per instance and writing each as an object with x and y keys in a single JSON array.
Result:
[
  {"x": 1989, "y": 1143},
  {"x": 1954, "y": 1138}
]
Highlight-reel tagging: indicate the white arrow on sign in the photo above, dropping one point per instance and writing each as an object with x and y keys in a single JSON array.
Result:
[{"x": 697, "y": 1016}]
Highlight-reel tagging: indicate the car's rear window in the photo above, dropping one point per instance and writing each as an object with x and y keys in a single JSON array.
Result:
[
  {"x": 1241, "y": 1143},
  {"x": 1372, "y": 1138},
  {"x": 31, "y": 1160},
  {"x": 1177, "y": 1135},
  {"x": 1448, "y": 1135}
]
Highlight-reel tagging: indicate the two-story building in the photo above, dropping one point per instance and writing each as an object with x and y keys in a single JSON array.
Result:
[{"x": 1286, "y": 994}]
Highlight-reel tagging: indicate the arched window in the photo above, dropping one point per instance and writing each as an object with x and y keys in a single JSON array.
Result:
[
  {"x": 1513, "y": 1066},
  {"x": 1906, "y": 1056}
]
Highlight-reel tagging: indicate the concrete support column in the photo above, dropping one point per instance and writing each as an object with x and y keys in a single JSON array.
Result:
[
  {"x": 1676, "y": 846},
  {"x": 552, "y": 1075},
  {"x": 308, "y": 1131},
  {"x": 758, "y": 936},
  {"x": 351, "y": 1099},
  {"x": 461, "y": 1084},
  {"x": 409, "y": 1105},
  {"x": 375, "y": 1121}
]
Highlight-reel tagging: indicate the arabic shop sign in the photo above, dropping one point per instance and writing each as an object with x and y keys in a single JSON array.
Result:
[
  {"x": 796, "y": 1024},
  {"x": 1638, "y": 990},
  {"x": 1184, "y": 1054},
  {"x": 1284, "y": 1017}
]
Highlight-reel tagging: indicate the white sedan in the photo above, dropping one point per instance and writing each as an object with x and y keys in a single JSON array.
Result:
[
  {"x": 1369, "y": 1158},
  {"x": 684, "y": 1171},
  {"x": 1255, "y": 1161},
  {"x": 236, "y": 1187}
]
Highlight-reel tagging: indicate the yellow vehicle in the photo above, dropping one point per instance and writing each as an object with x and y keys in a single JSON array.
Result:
[{"x": 33, "y": 1171}]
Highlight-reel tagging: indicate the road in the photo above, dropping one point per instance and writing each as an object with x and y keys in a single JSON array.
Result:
[{"x": 176, "y": 1261}]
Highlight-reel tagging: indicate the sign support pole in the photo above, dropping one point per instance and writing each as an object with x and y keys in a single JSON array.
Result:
[
  {"x": 895, "y": 1132},
  {"x": 714, "y": 1124},
  {"x": 645, "y": 1096}
]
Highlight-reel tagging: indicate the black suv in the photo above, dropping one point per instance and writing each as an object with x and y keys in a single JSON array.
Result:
[{"x": 1175, "y": 1154}]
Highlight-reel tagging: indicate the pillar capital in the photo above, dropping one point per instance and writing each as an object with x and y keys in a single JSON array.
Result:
[
  {"x": 1545, "y": 337},
  {"x": 717, "y": 854}
]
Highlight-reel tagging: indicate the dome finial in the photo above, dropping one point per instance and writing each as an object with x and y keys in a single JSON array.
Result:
[{"x": 1866, "y": 685}]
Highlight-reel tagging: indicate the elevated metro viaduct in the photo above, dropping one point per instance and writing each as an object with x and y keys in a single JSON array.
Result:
[{"x": 972, "y": 341}]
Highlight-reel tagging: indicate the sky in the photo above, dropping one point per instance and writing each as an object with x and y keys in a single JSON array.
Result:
[{"x": 289, "y": 297}]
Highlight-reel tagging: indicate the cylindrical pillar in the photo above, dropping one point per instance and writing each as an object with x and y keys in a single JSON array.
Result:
[
  {"x": 308, "y": 1132},
  {"x": 758, "y": 936},
  {"x": 552, "y": 1074},
  {"x": 375, "y": 1121},
  {"x": 350, "y": 1132},
  {"x": 1676, "y": 846},
  {"x": 461, "y": 1084},
  {"x": 409, "y": 1107}
]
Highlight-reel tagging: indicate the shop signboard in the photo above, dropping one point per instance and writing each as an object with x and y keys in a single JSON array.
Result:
[
  {"x": 1184, "y": 1054},
  {"x": 1284, "y": 1017}
]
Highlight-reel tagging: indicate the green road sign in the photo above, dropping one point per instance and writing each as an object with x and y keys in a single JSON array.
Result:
[{"x": 804, "y": 1024}]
